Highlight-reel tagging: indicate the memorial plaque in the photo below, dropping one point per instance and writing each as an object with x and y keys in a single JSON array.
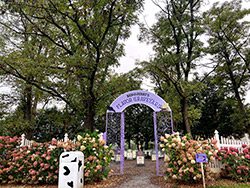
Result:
[{"x": 140, "y": 158}]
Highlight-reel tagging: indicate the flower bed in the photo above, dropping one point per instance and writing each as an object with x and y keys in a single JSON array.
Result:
[
  {"x": 38, "y": 164},
  {"x": 237, "y": 164},
  {"x": 180, "y": 157}
]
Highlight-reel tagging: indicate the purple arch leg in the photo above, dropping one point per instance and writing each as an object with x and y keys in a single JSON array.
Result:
[
  {"x": 106, "y": 128},
  {"x": 172, "y": 126},
  {"x": 156, "y": 145},
  {"x": 122, "y": 143}
]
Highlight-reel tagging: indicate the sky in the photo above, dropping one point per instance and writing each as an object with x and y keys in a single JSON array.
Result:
[{"x": 138, "y": 51}]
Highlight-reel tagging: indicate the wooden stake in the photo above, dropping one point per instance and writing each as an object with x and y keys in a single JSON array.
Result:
[{"x": 203, "y": 176}]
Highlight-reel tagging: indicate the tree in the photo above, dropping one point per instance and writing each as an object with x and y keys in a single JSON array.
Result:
[
  {"x": 113, "y": 88},
  {"x": 139, "y": 125},
  {"x": 176, "y": 42},
  {"x": 218, "y": 111},
  {"x": 228, "y": 34},
  {"x": 80, "y": 40}
]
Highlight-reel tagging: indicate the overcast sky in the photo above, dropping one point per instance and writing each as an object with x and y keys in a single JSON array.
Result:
[{"x": 137, "y": 51}]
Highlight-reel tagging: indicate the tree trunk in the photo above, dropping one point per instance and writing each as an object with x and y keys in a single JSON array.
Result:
[
  {"x": 28, "y": 103},
  {"x": 235, "y": 86},
  {"x": 27, "y": 109},
  {"x": 90, "y": 115},
  {"x": 184, "y": 111}
]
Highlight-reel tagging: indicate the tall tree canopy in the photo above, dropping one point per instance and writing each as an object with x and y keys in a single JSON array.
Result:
[
  {"x": 228, "y": 32},
  {"x": 176, "y": 42},
  {"x": 66, "y": 48},
  {"x": 65, "y": 51}
]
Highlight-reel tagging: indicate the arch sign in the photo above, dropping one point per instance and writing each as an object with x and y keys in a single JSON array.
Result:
[
  {"x": 115, "y": 120},
  {"x": 137, "y": 97}
]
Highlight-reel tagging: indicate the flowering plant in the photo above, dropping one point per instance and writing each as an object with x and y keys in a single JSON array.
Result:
[
  {"x": 33, "y": 164},
  {"x": 39, "y": 163},
  {"x": 7, "y": 144},
  {"x": 97, "y": 156},
  {"x": 180, "y": 155},
  {"x": 236, "y": 163}
]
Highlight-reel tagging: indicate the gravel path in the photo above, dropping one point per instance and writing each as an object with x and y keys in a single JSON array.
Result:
[
  {"x": 138, "y": 176},
  {"x": 139, "y": 181}
]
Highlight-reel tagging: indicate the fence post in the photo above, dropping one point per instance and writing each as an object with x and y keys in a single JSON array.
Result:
[
  {"x": 22, "y": 140},
  {"x": 246, "y": 137},
  {"x": 66, "y": 137},
  {"x": 217, "y": 137}
]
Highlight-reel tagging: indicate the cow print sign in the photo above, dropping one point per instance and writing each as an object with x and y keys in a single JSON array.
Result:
[{"x": 71, "y": 170}]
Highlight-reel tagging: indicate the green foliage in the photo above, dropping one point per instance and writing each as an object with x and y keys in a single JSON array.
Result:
[
  {"x": 67, "y": 49},
  {"x": 53, "y": 123},
  {"x": 139, "y": 125},
  {"x": 228, "y": 34},
  {"x": 238, "y": 185},
  {"x": 175, "y": 37},
  {"x": 219, "y": 111},
  {"x": 14, "y": 125}
]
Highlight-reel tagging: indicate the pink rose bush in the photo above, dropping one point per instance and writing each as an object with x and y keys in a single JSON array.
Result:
[
  {"x": 39, "y": 163},
  {"x": 236, "y": 163},
  {"x": 180, "y": 157}
]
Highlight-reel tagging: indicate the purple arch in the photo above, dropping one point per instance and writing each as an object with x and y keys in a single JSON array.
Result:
[{"x": 137, "y": 97}]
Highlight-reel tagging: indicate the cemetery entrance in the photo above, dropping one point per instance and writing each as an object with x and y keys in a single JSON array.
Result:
[{"x": 115, "y": 120}]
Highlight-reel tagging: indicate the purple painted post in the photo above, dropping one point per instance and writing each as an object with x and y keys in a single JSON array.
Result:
[
  {"x": 171, "y": 116},
  {"x": 122, "y": 143},
  {"x": 156, "y": 144},
  {"x": 105, "y": 138}
]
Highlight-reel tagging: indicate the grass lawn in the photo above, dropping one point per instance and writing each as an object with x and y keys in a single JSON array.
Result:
[{"x": 229, "y": 184}]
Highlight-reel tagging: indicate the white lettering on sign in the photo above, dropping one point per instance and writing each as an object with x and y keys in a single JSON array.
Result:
[{"x": 137, "y": 97}]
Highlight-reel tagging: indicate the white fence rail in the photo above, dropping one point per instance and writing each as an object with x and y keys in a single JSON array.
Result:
[
  {"x": 26, "y": 142},
  {"x": 223, "y": 142}
]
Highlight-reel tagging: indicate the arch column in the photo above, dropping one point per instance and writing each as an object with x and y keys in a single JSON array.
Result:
[
  {"x": 156, "y": 144},
  {"x": 122, "y": 143}
]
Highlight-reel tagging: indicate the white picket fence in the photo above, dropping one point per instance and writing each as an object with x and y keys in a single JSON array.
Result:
[
  {"x": 26, "y": 142},
  {"x": 223, "y": 142}
]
